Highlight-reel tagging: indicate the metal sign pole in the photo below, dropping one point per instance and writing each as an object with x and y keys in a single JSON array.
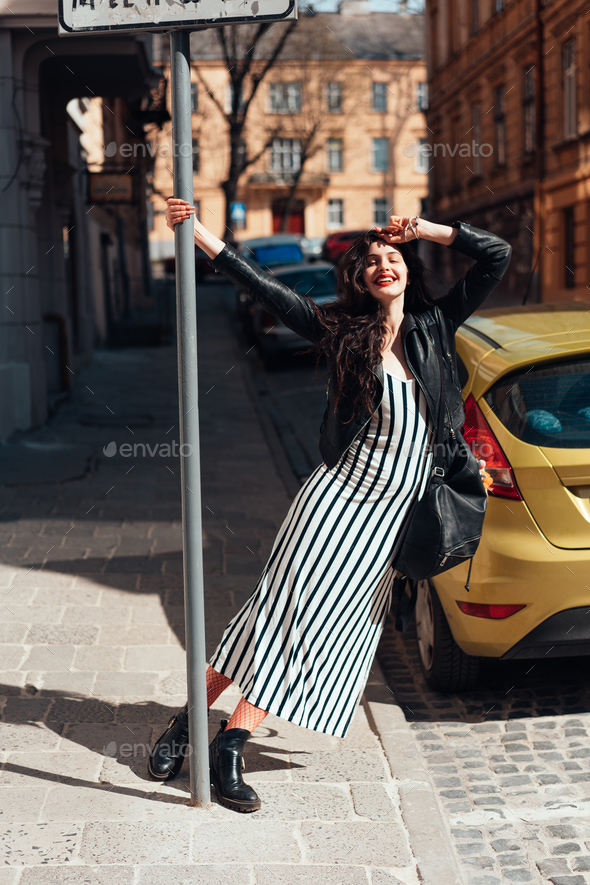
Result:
[{"x": 190, "y": 472}]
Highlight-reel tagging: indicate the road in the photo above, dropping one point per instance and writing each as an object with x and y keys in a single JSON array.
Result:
[
  {"x": 509, "y": 761},
  {"x": 293, "y": 395}
]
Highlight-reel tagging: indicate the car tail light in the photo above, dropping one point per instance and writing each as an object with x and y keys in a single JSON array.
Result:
[
  {"x": 484, "y": 444},
  {"x": 483, "y": 610}
]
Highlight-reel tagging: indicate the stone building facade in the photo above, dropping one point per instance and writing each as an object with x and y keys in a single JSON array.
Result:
[
  {"x": 563, "y": 218},
  {"x": 69, "y": 267},
  {"x": 509, "y": 121},
  {"x": 359, "y": 78}
]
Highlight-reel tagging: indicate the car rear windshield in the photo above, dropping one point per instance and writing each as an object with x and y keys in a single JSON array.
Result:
[
  {"x": 311, "y": 282},
  {"x": 282, "y": 253},
  {"x": 546, "y": 405}
]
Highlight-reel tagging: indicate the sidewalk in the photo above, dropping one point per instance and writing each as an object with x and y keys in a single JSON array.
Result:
[{"x": 94, "y": 664}]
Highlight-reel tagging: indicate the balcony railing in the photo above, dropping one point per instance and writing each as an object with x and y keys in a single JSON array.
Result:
[{"x": 285, "y": 179}]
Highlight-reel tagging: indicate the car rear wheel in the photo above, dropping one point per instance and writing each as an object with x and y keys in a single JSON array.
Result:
[{"x": 444, "y": 665}]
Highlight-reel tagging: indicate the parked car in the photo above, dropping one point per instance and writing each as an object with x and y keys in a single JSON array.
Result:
[
  {"x": 312, "y": 247},
  {"x": 525, "y": 374},
  {"x": 202, "y": 267},
  {"x": 271, "y": 251},
  {"x": 271, "y": 337},
  {"x": 268, "y": 252},
  {"x": 338, "y": 243}
]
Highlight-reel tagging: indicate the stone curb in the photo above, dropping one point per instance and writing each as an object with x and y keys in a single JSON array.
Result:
[{"x": 429, "y": 840}]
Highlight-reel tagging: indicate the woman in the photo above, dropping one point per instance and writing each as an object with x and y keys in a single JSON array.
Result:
[{"x": 302, "y": 645}]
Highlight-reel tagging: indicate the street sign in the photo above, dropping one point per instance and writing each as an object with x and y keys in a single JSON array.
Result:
[
  {"x": 79, "y": 16},
  {"x": 237, "y": 213},
  {"x": 111, "y": 187}
]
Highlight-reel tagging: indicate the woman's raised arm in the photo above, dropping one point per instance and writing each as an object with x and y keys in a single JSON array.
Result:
[
  {"x": 491, "y": 254},
  {"x": 402, "y": 230},
  {"x": 178, "y": 211},
  {"x": 292, "y": 309}
]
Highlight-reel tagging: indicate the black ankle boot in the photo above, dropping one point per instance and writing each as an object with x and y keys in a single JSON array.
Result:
[
  {"x": 226, "y": 764},
  {"x": 167, "y": 755}
]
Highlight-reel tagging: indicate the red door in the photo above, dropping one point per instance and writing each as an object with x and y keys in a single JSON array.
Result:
[{"x": 295, "y": 224}]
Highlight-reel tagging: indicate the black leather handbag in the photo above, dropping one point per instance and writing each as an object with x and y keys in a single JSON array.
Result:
[{"x": 444, "y": 526}]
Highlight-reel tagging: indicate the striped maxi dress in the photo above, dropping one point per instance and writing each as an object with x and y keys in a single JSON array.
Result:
[{"x": 302, "y": 645}]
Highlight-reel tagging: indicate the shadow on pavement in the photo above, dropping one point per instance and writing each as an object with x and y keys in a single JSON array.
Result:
[{"x": 120, "y": 732}]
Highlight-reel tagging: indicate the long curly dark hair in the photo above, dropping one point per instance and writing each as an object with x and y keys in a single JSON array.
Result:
[{"x": 355, "y": 329}]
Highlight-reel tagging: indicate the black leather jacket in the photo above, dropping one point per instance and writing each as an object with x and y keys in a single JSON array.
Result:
[{"x": 337, "y": 432}]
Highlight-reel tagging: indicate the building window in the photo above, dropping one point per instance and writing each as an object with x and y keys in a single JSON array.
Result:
[
  {"x": 379, "y": 155},
  {"x": 421, "y": 156},
  {"x": 335, "y": 214},
  {"x": 422, "y": 96},
  {"x": 334, "y": 98},
  {"x": 380, "y": 211},
  {"x": 380, "y": 98},
  {"x": 285, "y": 155},
  {"x": 476, "y": 137},
  {"x": 500, "y": 124},
  {"x": 284, "y": 98},
  {"x": 242, "y": 153},
  {"x": 334, "y": 155},
  {"x": 196, "y": 157},
  {"x": 498, "y": 5},
  {"x": 568, "y": 250},
  {"x": 569, "y": 90},
  {"x": 528, "y": 111},
  {"x": 194, "y": 97},
  {"x": 474, "y": 16}
]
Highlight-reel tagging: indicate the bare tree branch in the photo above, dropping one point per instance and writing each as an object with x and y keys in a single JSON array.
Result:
[
  {"x": 272, "y": 134},
  {"x": 220, "y": 32},
  {"x": 240, "y": 69},
  {"x": 259, "y": 76},
  {"x": 209, "y": 91}
]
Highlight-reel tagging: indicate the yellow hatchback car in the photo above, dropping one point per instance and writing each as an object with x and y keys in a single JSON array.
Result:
[{"x": 525, "y": 373}]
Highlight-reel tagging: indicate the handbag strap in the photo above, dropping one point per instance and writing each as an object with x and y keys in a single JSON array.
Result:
[{"x": 438, "y": 450}]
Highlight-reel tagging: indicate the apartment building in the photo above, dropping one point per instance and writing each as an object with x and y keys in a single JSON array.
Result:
[
  {"x": 508, "y": 121},
  {"x": 342, "y": 110},
  {"x": 563, "y": 219}
]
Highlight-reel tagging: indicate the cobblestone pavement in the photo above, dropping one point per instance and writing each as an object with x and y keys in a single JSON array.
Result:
[
  {"x": 93, "y": 660},
  {"x": 509, "y": 762}
]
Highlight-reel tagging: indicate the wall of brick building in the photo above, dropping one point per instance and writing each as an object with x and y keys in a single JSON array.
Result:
[{"x": 524, "y": 198}]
